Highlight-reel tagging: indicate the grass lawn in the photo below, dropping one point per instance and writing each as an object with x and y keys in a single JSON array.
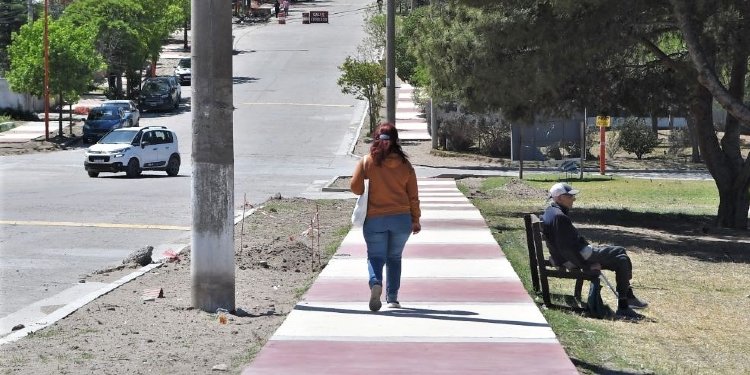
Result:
[{"x": 695, "y": 277}]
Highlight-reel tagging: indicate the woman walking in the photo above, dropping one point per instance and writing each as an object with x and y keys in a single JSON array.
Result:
[{"x": 392, "y": 211}]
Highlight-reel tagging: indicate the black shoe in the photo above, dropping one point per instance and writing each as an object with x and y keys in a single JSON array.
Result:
[
  {"x": 635, "y": 303},
  {"x": 628, "y": 314},
  {"x": 375, "y": 293}
]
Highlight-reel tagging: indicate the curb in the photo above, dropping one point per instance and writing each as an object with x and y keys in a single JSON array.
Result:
[
  {"x": 76, "y": 304},
  {"x": 328, "y": 188}
]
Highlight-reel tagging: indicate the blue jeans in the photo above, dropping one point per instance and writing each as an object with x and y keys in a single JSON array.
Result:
[{"x": 385, "y": 237}]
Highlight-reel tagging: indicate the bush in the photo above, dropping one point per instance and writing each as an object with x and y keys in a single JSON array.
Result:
[
  {"x": 553, "y": 151},
  {"x": 17, "y": 114},
  {"x": 637, "y": 138},
  {"x": 592, "y": 139},
  {"x": 612, "y": 144},
  {"x": 494, "y": 135},
  {"x": 459, "y": 131},
  {"x": 679, "y": 140},
  {"x": 572, "y": 149}
]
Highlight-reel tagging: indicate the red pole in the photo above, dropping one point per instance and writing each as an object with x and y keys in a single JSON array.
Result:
[
  {"x": 46, "y": 73},
  {"x": 602, "y": 166}
]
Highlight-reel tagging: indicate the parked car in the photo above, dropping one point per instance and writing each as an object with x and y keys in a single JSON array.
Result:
[
  {"x": 101, "y": 120},
  {"x": 133, "y": 150},
  {"x": 183, "y": 71},
  {"x": 174, "y": 82},
  {"x": 132, "y": 113},
  {"x": 158, "y": 93}
]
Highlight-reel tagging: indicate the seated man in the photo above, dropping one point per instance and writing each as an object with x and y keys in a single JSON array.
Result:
[{"x": 570, "y": 249}]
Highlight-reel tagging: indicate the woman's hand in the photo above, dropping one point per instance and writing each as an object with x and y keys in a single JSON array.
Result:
[{"x": 416, "y": 228}]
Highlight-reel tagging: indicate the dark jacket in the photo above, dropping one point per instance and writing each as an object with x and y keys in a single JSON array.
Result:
[{"x": 562, "y": 237}]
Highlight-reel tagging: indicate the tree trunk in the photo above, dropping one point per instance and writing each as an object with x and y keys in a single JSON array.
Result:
[
  {"x": 520, "y": 152},
  {"x": 731, "y": 182},
  {"x": 695, "y": 156},
  {"x": 60, "y": 117},
  {"x": 185, "y": 36},
  {"x": 706, "y": 75},
  {"x": 655, "y": 123}
]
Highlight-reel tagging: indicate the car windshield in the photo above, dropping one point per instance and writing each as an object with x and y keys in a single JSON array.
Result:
[
  {"x": 184, "y": 63},
  {"x": 120, "y": 136},
  {"x": 156, "y": 86},
  {"x": 104, "y": 113},
  {"x": 124, "y": 106}
]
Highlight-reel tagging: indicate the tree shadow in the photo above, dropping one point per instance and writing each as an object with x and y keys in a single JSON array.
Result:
[
  {"x": 242, "y": 80},
  {"x": 407, "y": 312},
  {"x": 596, "y": 369},
  {"x": 673, "y": 234}
]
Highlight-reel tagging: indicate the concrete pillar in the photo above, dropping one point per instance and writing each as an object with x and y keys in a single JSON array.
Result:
[{"x": 212, "y": 243}]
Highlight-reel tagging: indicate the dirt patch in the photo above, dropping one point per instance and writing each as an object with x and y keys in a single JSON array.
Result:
[
  {"x": 70, "y": 137},
  {"x": 277, "y": 255}
]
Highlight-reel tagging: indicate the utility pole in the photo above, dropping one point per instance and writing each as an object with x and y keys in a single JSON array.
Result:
[
  {"x": 46, "y": 70},
  {"x": 30, "y": 7},
  {"x": 212, "y": 240},
  {"x": 390, "y": 60}
]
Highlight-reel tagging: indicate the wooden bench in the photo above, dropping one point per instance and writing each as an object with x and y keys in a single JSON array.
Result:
[{"x": 542, "y": 268}]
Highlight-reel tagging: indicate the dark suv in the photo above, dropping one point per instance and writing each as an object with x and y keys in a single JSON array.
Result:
[{"x": 160, "y": 93}]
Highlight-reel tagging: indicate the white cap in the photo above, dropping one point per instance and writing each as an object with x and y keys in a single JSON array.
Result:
[{"x": 561, "y": 188}]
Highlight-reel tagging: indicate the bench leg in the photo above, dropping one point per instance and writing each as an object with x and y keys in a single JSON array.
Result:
[{"x": 545, "y": 290}]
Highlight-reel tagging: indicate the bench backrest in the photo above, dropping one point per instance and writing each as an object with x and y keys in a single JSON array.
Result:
[{"x": 534, "y": 232}]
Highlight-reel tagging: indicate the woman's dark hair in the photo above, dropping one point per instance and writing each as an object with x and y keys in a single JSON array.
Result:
[{"x": 385, "y": 141}]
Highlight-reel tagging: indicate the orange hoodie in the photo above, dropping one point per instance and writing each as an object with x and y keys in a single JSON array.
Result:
[{"x": 393, "y": 186}]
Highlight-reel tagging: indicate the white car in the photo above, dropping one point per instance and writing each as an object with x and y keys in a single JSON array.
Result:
[
  {"x": 183, "y": 71},
  {"x": 133, "y": 150}
]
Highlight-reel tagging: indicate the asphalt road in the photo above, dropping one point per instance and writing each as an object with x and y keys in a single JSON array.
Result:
[{"x": 292, "y": 130}]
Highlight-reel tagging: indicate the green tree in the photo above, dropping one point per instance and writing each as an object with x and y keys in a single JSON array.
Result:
[
  {"x": 13, "y": 14},
  {"x": 162, "y": 17},
  {"x": 119, "y": 37},
  {"x": 129, "y": 32},
  {"x": 72, "y": 60},
  {"x": 636, "y": 138},
  {"x": 364, "y": 80},
  {"x": 530, "y": 57}
]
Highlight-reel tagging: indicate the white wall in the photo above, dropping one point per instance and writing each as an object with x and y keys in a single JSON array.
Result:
[{"x": 14, "y": 100}]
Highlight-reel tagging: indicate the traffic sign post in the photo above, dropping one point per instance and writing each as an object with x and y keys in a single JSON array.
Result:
[{"x": 602, "y": 122}]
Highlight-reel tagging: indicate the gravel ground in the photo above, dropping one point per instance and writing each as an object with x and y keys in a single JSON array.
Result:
[{"x": 276, "y": 258}]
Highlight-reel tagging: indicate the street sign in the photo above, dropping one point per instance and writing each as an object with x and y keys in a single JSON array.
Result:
[
  {"x": 602, "y": 121},
  {"x": 319, "y": 16}
]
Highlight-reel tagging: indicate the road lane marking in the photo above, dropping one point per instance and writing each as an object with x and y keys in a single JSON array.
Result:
[
  {"x": 300, "y": 104},
  {"x": 96, "y": 225}
]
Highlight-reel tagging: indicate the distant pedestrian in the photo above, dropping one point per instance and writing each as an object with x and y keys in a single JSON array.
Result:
[
  {"x": 276, "y": 8},
  {"x": 286, "y": 8},
  {"x": 392, "y": 211}
]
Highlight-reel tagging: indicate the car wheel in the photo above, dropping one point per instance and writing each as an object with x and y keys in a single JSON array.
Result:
[
  {"x": 177, "y": 103},
  {"x": 173, "y": 166},
  {"x": 134, "y": 169},
  {"x": 93, "y": 174}
]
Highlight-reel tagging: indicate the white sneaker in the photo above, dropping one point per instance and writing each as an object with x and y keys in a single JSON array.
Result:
[
  {"x": 394, "y": 305},
  {"x": 375, "y": 293}
]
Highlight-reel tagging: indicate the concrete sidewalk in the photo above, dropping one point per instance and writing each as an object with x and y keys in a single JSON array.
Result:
[
  {"x": 27, "y": 131},
  {"x": 409, "y": 121},
  {"x": 464, "y": 309}
]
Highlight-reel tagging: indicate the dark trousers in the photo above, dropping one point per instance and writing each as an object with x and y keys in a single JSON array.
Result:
[{"x": 614, "y": 258}]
